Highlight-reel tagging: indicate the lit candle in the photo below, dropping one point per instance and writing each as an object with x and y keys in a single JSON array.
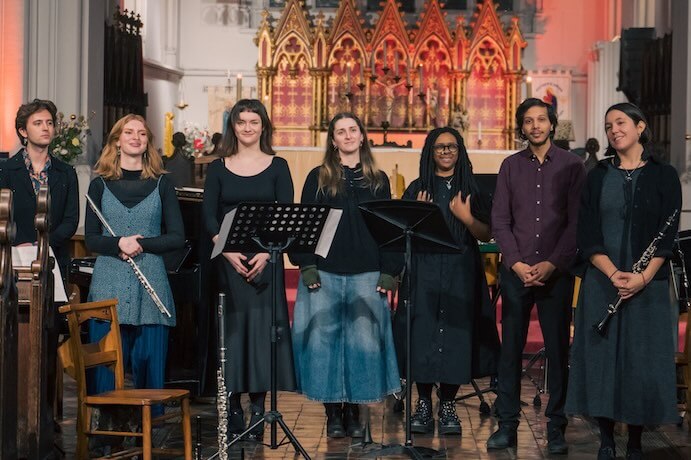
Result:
[
  {"x": 374, "y": 65},
  {"x": 419, "y": 72},
  {"x": 333, "y": 94},
  {"x": 384, "y": 57},
  {"x": 228, "y": 74},
  {"x": 362, "y": 71},
  {"x": 479, "y": 130},
  {"x": 447, "y": 97},
  {"x": 407, "y": 76},
  {"x": 348, "y": 77},
  {"x": 528, "y": 86},
  {"x": 238, "y": 83},
  {"x": 395, "y": 65}
]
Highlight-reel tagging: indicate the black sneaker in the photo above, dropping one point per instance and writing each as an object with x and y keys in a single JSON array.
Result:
[
  {"x": 236, "y": 423},
  {"x": 351, "y": 420},
  {"x": 334, "y": 420},
  {"x": 257, "y": 434},
  {"x": 422, "y": 420},
  {"x": 556, "y": 444},
  {"x": 503, "y": 438},
  {"x": 606, "y": 453},
  {"x": 633, "y": 453},
  {"x": 448, "y": 419}
]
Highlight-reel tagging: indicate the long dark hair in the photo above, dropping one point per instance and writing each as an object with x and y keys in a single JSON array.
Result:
[
  {"x": 463, "y": 179},
  {"x": 633, "y": 112},
  {"x": 528, "y": 104},
  {"x": 331, "y": 172},
  {"x": 229, "y": 144}
]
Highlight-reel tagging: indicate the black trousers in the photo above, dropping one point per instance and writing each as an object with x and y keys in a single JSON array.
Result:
[{"x": 554, "y": 312}]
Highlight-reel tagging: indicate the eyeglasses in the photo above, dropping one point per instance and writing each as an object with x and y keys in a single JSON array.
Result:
[{"x": 441, "y": 149}]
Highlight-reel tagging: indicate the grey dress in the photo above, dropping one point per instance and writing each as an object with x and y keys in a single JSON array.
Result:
[{"x": 628, "y": 375}]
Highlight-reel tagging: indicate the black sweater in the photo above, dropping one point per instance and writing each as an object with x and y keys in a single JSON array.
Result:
[
  {"x": 353, "y": 249},
  {"x": 131, "y": 190}
]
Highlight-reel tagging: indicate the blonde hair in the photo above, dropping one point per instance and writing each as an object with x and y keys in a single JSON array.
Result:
[{"x": 108, "y": 165}]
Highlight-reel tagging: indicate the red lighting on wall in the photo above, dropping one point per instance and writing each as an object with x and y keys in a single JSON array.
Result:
[{"x": 12, "y": 65}]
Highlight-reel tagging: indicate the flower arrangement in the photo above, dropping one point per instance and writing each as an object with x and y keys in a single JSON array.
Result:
[
  {"x": 198, "y": 141},
  {"x": 70, "y": 135}
]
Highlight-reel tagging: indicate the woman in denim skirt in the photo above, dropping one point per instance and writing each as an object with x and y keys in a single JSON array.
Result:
[{"x": 342, "y": 339}]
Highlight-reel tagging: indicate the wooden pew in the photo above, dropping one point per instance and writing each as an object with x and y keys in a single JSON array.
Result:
[{"x": 8, "y": 331}]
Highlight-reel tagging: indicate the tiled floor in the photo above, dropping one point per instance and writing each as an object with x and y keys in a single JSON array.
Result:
[{"x": 307, "y": 421}]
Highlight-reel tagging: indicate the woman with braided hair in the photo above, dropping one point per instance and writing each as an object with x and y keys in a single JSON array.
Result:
[{"x": 454, "y": 337}]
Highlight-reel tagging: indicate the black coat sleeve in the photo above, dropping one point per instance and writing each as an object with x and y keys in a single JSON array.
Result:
[
  {"x": 589, "y": 237},
  {"x": 670, "y": 191},
  {"x": 66, "y": 228},
  {"x": 173, "y": 231},
  {"x": 212, "y": 198}
]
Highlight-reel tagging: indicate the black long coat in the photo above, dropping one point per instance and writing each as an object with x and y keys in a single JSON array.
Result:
[{"x": 454, "y": 334}]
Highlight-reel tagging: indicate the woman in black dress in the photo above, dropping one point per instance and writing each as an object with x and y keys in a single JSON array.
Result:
[
  {"x": 248, "y": 170},
  {"x": 454, "y": 336},
  {"x": 627, "y": 375}
]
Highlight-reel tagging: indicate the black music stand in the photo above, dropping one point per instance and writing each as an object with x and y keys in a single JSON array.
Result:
[
  {"x": 408, "y": 227},
  {"x": 274, "y": 227}
]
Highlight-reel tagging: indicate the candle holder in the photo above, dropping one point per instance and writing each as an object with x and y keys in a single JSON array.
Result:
[
  {"x": 479, "y": 143},
  {"x": 408, "y": 86},
  {"x": 422, "y": 96},
  {"x": 361, "y": 86},
  {"x": 397, "y": 78},
  {"x": 349, "y": 95},
  {"x": 386, "y": 69}
]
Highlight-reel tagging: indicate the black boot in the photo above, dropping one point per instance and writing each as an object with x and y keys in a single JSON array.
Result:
[
  {"x": 257, "y": 434},
  {"x": 334, "y": 420},
  {"x": 422, "y": 420},
  {"x": 236, "y": 423},
  {"x": 448, "y": 419},
  {"x": 351, "y": 420}
]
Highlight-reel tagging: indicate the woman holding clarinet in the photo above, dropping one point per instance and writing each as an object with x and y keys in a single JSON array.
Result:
[{"x": 625, "y": 372}]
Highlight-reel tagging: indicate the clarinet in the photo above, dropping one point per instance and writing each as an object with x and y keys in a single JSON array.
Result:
[
  {"x": 638, "y": 267},
  {"x": 137, "y": 271},
  {"x": 222, "y": 395}
]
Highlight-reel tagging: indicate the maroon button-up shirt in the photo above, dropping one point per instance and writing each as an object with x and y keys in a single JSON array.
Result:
[{"x": 535, "y": 208}]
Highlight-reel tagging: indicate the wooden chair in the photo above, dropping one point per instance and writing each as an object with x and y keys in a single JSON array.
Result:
[{"x": 77, "y": 357}]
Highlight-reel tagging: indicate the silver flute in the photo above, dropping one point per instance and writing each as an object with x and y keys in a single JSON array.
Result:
[
  {"x": 222, "y": 396},
  {"x": 137, "y": 271}
]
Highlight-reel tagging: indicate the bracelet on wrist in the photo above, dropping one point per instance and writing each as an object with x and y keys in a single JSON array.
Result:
[
  {"x": 644, "y": 280},
  {"x": 613, "y": 273}
]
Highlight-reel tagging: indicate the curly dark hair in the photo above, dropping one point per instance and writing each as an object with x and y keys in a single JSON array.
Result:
[{"x": 28, "y": 109}]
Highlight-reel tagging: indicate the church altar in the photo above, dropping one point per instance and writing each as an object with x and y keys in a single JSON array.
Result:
[{"x": 399, "y": 78}]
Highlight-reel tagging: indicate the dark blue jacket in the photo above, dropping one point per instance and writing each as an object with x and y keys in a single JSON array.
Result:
[{"x": 64, "y": 204}]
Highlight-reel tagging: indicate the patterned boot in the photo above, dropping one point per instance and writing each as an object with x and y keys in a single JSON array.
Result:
[
  {"x": 448, "y": 419},
  {"x": 422, "y": 420}
]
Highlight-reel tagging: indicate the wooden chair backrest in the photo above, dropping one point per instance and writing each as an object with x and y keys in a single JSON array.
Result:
[{"x": 77, "y": 357}]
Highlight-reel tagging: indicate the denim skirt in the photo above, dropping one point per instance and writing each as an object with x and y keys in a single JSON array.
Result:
[{"x": 342, "y": 340}]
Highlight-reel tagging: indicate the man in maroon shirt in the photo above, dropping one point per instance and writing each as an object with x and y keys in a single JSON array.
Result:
[{"x": 534, "y": 218}]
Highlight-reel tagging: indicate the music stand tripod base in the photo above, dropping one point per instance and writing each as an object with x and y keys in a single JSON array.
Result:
[{"x": 408, "y": 227}]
